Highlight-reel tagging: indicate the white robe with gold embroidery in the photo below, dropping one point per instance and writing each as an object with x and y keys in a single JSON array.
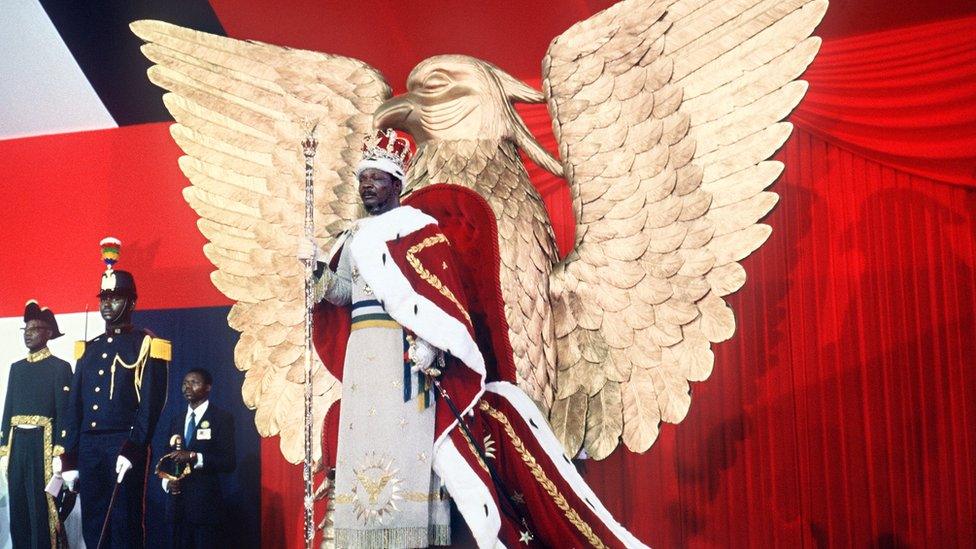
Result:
[{"x": 386, "y": 494}]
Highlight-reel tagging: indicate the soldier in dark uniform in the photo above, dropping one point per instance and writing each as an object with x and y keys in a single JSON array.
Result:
[
  {"x": 118, "y": 392},
  {"x": 32, "y": 434}
]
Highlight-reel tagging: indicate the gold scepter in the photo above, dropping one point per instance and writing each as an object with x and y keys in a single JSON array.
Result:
[{"x": 309, "y": 148}]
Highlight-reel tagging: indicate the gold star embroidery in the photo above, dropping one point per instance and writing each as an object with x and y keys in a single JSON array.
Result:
[
  {"x": 444, "y": 265},
  {"x": 350, "y": 426},
  {"x": 396, "y": 383},
  {"x": 517, "y": 497},
  {"x": 370, "y": 357},
  {"x": 372, "y": 411},
  {"x": 352, "y": 388},
  {"x": 422, "y": 457},
  {"x": 403, "y": 423}
]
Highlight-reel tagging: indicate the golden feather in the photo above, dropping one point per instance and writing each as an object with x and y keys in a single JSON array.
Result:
[
  {"x": 238, "y": 107},
  {"x": 698, "y": 89}
]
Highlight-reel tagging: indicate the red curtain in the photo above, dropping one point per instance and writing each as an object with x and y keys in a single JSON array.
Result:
[
  {"x": 905, "y": 97},
  {"x": 843, "y": 412}
]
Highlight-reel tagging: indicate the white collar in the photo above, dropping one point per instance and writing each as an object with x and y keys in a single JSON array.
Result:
[{"x": 198, "y": 411}]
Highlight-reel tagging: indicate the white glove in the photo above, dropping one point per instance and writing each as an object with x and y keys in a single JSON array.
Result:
[
  {"x": 3, "y": 465},
  {"x": 307, "y": 249},
  {"x": 70, "y": 478},
  {"x": 422, "y": 355},
  {"x": 122, "y": 466},
  {"x": 56, "y": 464}
]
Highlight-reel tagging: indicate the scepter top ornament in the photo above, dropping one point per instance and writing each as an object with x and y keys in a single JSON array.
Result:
[
  {"x": 385, "y": 151},
  {"x": 310, "y": 143}
]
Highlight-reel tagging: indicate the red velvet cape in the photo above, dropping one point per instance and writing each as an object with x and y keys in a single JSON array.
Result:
[{"x": 467, "y": 221}]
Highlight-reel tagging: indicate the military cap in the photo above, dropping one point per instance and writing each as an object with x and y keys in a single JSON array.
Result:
[{"x": 33, "y": 311}]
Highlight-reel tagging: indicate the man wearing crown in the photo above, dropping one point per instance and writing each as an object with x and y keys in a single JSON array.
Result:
[
  {"x": 413, "y": 334},
  {"x": 33, "y": 430},
  {"x": 117, "y": 394},
  {"x": 387, "y": 494}
]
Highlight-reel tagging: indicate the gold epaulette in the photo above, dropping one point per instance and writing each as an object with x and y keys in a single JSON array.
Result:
[
  {"x": 80, "y": 348},
  {"x": 161, "y": 348}
]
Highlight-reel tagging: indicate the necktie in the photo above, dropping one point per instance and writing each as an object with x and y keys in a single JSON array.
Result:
[{"x": 191, "y": 427}]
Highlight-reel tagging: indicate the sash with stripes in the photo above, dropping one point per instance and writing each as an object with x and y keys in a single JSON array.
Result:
[{"x": 370, "y": 314}]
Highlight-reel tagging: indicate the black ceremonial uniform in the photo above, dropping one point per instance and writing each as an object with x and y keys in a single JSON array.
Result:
[
  {"x": 37, "y": 394},
  {"x": 118, "y": 392}
]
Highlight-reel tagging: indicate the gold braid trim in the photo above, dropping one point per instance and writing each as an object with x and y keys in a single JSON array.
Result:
[
  {"x": 474, "y": 452},
  {"x": 430, "y": 277},
  {"x": 45, "y": 423},
  {"x": 139, "y": 366},
  {"x": 39, "y": 355},
  {"x": 542, "y": 479},
  {"x": 406, "y": 496}
]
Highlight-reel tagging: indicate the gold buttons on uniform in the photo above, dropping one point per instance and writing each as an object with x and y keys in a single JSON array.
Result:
[
  {"x": 109, "y": 340},
  {"x": 94, "y": 406},
  {"x": 104, "y": 355},
  {"x": 66, "y": 388},
  {"x": 64, "y": 433},
  {"x": 93, "y": 424},
  {"x": 101, "y": 372},
  {"x": 97, "y": 389}
]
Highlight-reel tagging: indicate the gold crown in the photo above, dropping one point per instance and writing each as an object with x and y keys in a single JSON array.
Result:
[{"x": 387, "y": 144}]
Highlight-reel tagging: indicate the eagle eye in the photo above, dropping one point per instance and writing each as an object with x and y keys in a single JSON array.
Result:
[{"x": 435, "y": 81}]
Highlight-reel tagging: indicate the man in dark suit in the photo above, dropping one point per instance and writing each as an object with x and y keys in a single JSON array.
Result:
[{"x": 195, "y": 507}]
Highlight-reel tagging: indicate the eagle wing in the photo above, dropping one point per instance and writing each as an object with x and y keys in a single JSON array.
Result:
[
  {"x": 239, "y": 108},
  {"x": 665, "y": 113}
]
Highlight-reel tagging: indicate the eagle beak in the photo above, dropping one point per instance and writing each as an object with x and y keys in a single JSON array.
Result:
[{"x": 394, "y": 113}]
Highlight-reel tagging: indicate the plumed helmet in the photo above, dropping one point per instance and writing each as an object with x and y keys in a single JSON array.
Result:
[{"x": 114, "y": 281}]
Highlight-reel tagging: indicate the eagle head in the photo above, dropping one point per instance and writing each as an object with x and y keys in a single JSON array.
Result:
[{"x": 457, "y": 97}]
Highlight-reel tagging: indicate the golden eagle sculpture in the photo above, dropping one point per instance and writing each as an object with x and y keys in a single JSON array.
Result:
[{"x": 665, "y": 112}]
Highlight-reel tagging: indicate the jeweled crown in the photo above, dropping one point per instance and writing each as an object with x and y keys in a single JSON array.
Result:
[{"x": 387, "y": 144}]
